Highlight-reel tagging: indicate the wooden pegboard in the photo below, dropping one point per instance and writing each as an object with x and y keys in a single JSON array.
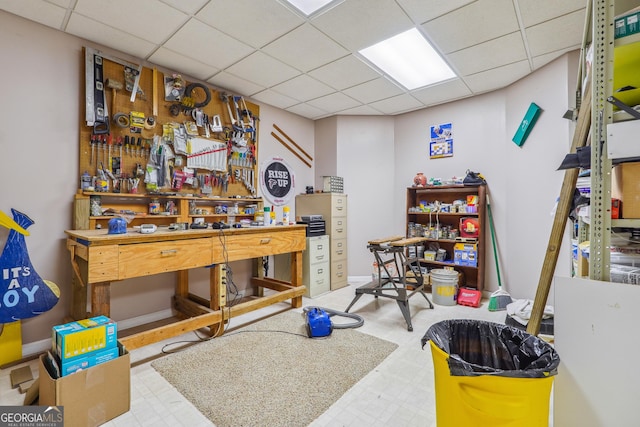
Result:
[{"x": 241, "y": 168}]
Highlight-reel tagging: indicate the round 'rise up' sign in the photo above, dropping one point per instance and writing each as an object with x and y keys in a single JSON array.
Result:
[{"x": 277, "y": 181}]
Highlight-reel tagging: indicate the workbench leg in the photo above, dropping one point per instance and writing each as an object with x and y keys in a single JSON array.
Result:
[
  {"x": 79, "y": 293},
  {"x": 217, "y": 296},
  {"x": 296, "y": 276},
  {"x": 217, "y": 288},
  {"x": 182, "y": 283},
  {"x": 101, "y": 299},
  {"x": 403, "y": 303}
]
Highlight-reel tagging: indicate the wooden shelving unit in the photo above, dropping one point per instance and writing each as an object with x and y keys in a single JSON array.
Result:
[{"x": 473, "y": 276}]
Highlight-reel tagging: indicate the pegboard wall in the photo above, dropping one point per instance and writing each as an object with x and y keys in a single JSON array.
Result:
[{"x": 144, "y": 132}]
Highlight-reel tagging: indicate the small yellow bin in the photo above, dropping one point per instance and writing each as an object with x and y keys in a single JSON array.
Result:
[{"x": 489, "y": 399}]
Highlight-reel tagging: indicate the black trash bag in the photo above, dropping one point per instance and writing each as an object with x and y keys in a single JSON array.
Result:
[{"x": 477, "y": 347}]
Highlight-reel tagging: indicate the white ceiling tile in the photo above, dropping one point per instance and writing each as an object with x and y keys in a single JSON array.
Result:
[
  {"x": 484, "y": 56},
  {"x": 397, "y": 104},
  {"x": 61, "y": 3},
  {"x": 334, "y": 102},
  {"x": 536, "y": 11},
  {"x": 556, "y": 34},
  {"x": 235, "y": 84},
  {"x": 357, "y": 24},
  {"x": 307, "y": 111},
  {"x": 422, "y": 11},
  {"x": 36, "y": 10},
  {"x": 97, "y": 32},
  {"x": 205, "y": 44},
  {"x": 263, "y": 70},
  {"x": 140, "y": 18},
  {"x": 303, "y": 88},
  {"x": 216, "y": 41},
  {"x": 373, "y": 90},
  {"x": 363, "y": 110},
  {"x": 187, "y": 6},
  {"x": 542, "y": 60},
  {"x": 345, "y": 72},
  {"x": 305, "y": 48},
  {"x": 187, "y": 66},
  {"x": 498, "y": 77},
  {"x": 274, "y": 98},
  {"x": 476, "y": 23},
  {"x": 256, "y": 23},
  {"x": 443, "y": 92}
]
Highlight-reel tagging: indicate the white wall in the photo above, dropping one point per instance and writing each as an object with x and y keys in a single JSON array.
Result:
[{"x": 365, "y": 152}]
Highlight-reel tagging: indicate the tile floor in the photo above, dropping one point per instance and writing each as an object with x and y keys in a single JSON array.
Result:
[{"x": 399, "y": 392}]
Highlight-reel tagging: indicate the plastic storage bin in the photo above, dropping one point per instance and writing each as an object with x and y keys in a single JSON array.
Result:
[{"x": 489, "y": 374}]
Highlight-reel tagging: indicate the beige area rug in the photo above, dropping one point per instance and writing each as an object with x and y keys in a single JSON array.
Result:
[{"x": 257, "y": 376}]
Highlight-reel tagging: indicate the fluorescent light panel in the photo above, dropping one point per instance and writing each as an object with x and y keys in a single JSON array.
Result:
[
  {"x": 309, "y": 6},
  {"x": 409, "y": 59}
]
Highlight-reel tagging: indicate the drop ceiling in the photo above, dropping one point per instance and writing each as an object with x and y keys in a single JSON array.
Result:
[{"x": 269, "y": 51}]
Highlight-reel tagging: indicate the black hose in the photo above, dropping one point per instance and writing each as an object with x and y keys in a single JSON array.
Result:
[
  {"x": 359, "y": 320},
  {"x": 207, "y": 92}
]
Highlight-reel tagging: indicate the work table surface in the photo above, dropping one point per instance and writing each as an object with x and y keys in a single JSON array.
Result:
[{"x": 101, "y": 237}]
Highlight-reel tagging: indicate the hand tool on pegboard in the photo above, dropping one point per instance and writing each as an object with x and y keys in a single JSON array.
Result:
[
  {"x": 94, "y": 75},
  {"x": 580, "y": 137},
  {"x": 101, "y": 119}
]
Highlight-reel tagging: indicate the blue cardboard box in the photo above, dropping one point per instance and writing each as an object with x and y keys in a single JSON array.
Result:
[{"x": 80, "y": 338}]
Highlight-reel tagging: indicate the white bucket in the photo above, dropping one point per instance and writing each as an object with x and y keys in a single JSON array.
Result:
[{"x": 444, "y": 286}]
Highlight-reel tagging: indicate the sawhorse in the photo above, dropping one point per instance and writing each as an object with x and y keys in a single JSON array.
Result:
[{"x": 399, "y": 276}]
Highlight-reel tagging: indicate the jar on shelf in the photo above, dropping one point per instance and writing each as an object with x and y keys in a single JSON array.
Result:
[
  {"x": 154, "y": 207},
  {"x": 95, "y": 205}
]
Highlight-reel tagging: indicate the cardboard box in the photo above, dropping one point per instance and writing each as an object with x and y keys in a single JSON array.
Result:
[
  {"x": 465, "y": 254},
  {"x": 625, "y": 185},
  {"x": 90, "y": 397},
  {"x": 78, "y": 339},
  {"x": 69, "y": 366}
]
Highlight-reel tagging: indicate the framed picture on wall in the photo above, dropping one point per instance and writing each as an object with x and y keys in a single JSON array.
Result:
[{"x": 441, "y": 141}]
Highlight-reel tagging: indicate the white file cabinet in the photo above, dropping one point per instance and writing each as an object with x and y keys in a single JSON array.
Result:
[
  {"x": 316, "y": 272},
  {"x": 333, "y": 208}
]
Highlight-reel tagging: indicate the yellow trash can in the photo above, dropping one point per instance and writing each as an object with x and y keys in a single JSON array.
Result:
[{"x": 489, "y": 374}]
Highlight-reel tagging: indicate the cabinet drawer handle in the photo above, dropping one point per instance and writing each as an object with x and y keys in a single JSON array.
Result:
[
  {"x": 265, "y": 241},
  {"x": 339, "y": 230},
  {"x": 169, "y": 252},
  {"x": 339, "y": 252},
  {"x": 338, "y": 208},
  {"x": 320, "y": 257}
]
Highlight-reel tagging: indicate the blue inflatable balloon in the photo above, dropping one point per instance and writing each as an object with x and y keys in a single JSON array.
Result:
[{"x": 23, "y": 293}]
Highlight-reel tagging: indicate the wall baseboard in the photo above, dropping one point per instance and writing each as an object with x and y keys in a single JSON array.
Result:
[
  {"x": 358, "y": 279},
  {"x": 41, "y": 346}
]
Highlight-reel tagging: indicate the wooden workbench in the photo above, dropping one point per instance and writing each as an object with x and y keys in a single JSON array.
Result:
[{"x": 99, "y": 258}]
